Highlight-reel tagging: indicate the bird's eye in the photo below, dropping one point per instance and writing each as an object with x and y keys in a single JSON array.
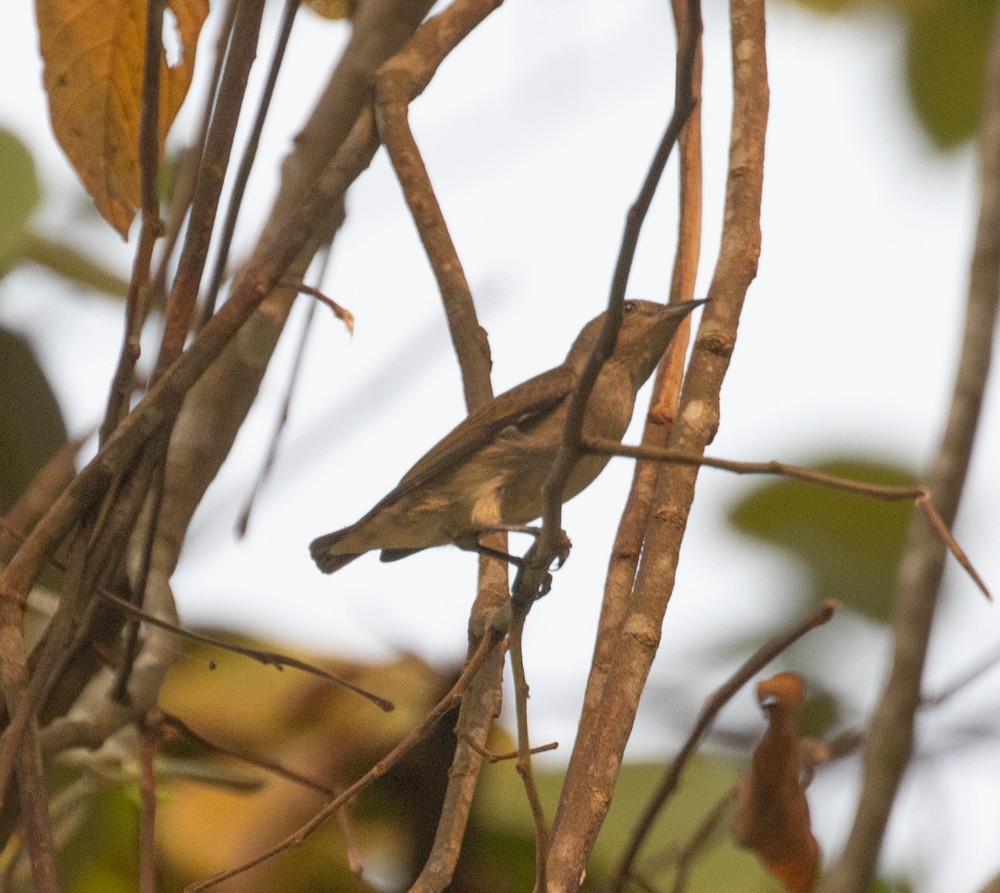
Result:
[{"x": 629, "y": 307}]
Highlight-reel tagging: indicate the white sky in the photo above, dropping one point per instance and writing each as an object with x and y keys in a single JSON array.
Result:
[{"x": 537, "y": 132}]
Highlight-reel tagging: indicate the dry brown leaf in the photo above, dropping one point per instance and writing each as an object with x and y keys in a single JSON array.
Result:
[
  {"x": 93, "y": 53},
  {"x": 772, "y": 814}
]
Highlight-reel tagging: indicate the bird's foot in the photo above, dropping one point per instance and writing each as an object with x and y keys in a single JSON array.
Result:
[{"x": 562, "y": 550}]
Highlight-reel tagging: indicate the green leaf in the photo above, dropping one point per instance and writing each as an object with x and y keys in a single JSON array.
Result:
[
  {"x": 31, "y": 424},
  {"x": 830, "y": 7},
  {"x": 891, "y": 886},
  {"x": 945, "y": 64},
  {"x": 501, "y": 811},
  {"x": 19, "y": 195},
  {"x": 850, "y": 543},
  {"x": 88, "y": 862},
  {"x": 718, "y": 865}
]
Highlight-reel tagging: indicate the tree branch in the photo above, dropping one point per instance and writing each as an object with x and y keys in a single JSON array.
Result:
[
  {"x": 713, "y": 705},
  {"x": 625, "y": 552},
  {"x": 889, "y": 742},
  {"x": 598, "y": 752}
]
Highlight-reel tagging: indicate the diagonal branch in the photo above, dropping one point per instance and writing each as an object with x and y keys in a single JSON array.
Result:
[
  {"x": 395, "y": 88},
  {"x": 920, "y": 495},
  {"x": 889, "y": 743},
  {"x": 713, "y": 705},
  {"x": 546, "y": 546},
  {"x": 469, "y": 671}
]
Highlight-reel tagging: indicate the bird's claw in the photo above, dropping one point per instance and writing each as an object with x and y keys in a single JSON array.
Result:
[{"x": 563, "y": 550}]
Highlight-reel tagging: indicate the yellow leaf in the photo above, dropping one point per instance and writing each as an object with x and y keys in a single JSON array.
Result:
[
  {"x": 331, "y": 9},
  {"x": 93, "y": 52}
]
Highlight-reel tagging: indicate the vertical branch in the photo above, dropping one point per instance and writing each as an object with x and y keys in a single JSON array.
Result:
[
  {"x": 147, "y": 810},
  {"x": 187, "y": 173},
  {"x": 666, "y": 388},
  {"x": 211, "y": 175},
  {"x": 529, "y": 580},
  {"x": 246, "y": 162},
  {"x": 336, "y": 144},
  {"x": 889, "y": 742},
  {"x": 13, "y": 656},
  {"x": 397, "y": 83},
  {"x": 152, "y": 226},
  {"x": 393, "y": 91},
  {"x": 597, "y": 755}
]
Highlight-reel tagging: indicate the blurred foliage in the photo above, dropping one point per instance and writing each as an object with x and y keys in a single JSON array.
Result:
[
  {"x": 946, "y": 42},
  {"x": 945, "y": 65},
  {"x": 891, "y": 886},
  {"x": 215, "y": 811},
  {"x": 851, "y": 544},
  {"x": 331, "y": 9},
  {"x": 31, "y": 423},
  {"x": 719, "y": 866},
  {"x": 19, "y": 196},
  {"x": 820, "y": 713}
]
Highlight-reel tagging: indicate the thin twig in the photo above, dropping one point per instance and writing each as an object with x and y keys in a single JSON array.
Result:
[
  {"x": 597, "y": 753},
  {"x": 147, "y": 535},
  {"x": 342, "y": 313},
  {"x": 239, "y": 186},
  {"x": 187, "y": 174},
  {"x": 261, "y": 762},
  {"x": 243, "y": 522},
  {"x": 261, "y": 656},
  {"x": 208, "y": 189},
  {"x": 267, "y": 658},
  {"x": 889, "y": 743},
  {"x": 713, "y": 704},
  {"x": 510, "y": 755},
  {"x": 978, "y": 669},
  {"x": 515, "y": 639},
  {"x": 446, "y": 704},
  {"x": 920, "y": 495},
  {"x": 152, "y": 225},
  {"x": 546, "y": 545},
  {"x": 147, "y": 813}
]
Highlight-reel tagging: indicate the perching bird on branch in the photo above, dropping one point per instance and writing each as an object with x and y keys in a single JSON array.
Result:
[{"x": 487, "y": 474}]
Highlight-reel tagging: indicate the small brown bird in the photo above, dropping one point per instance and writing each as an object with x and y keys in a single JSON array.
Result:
[{"x": 487, "y": 474}]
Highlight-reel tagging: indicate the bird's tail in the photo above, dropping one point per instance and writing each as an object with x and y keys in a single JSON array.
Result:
[{"x": 322, "y": 551}]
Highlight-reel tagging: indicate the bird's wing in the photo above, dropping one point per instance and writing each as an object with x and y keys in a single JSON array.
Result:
[{"x": 521, "y": 405}]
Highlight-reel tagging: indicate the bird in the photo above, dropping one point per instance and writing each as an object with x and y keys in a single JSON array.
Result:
[{"x": 487, "y": 473}]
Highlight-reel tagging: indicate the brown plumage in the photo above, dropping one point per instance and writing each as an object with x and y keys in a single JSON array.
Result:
[{"x": 488, "y": 472}]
